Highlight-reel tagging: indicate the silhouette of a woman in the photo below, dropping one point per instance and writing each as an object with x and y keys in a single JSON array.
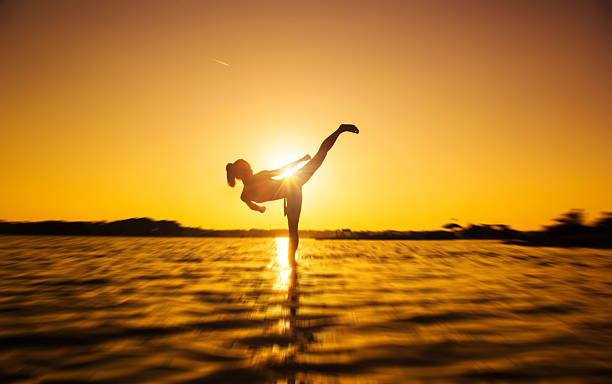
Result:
[{"x": 261, "y": 187}]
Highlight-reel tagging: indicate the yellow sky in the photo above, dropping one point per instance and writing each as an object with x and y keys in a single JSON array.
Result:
[{"x": 482, "y": 112}]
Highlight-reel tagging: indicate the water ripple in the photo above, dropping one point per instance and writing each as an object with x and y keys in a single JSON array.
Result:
[{"x": 101, "y": 310}]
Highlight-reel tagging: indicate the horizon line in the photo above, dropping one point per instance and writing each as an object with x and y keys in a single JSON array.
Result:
[{"x": 467, "y": 223}]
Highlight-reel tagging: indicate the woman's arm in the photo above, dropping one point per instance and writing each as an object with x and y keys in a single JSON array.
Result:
[
  {"x": 253, "y": 206},
  {"x": 282, "y": 169}
]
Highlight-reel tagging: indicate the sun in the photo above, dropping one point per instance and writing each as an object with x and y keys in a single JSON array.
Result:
[
  {"x": 288, "y": 172},
  {"x": 281, "y": 155}
]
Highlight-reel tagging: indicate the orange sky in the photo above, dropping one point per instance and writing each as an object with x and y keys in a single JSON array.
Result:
[{"x": 479, "y": 111}]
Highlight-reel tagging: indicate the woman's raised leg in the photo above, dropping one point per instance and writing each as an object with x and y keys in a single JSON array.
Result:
[{"x": 305, "y": 173}]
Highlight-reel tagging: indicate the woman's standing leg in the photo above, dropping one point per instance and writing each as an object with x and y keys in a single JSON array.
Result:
[{"x": 294, "y": 208}]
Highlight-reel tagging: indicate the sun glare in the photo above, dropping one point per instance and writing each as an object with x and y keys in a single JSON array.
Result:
[
  {"x": 288, "y": 172},
  {"x": 283, "y": 156},
  {"x": 280, "y": 263}
]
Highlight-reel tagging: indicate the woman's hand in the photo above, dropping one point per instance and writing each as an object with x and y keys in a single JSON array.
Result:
[
  {"x": 254, "y": 206},
  {"x": 305, "y": 158}
]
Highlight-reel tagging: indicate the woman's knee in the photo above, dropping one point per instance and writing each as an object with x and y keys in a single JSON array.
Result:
[
  {"x": 293, "y": 230},
  {"x": 293, "y": 242}
]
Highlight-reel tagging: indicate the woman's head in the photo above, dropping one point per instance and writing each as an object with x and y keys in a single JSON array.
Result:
[{"x": 239, "y": 169}]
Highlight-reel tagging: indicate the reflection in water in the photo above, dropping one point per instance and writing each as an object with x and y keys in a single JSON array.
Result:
[
  {"x": 280, "y": 263},
  {"x": 290, "y": 328}
]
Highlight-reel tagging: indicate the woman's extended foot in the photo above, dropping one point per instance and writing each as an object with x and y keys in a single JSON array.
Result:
[{"x": 348, "y": 128}]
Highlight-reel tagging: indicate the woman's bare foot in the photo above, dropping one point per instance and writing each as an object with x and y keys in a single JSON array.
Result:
[{"x": 348, "y": 128}]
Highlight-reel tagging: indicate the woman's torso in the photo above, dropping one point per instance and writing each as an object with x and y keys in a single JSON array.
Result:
[{"x": 261, "y": 188}]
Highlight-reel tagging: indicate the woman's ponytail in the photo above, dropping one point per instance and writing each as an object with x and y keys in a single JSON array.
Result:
[{"x": 231, "y": 177}]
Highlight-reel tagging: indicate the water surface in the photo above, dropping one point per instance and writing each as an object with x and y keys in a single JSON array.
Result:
[{"x": 190, "y": 310}]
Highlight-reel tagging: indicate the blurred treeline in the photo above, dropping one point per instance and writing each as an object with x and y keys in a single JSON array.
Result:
[{"x": 569, "y": 230}]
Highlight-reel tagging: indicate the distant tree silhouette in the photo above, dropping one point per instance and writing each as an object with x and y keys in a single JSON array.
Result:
[
  {"x": 605, "y": 221},
  {"x": 452, "y": 226},
  {"x": 574, "y": 217},
  {"x": 569, "y": 230}
]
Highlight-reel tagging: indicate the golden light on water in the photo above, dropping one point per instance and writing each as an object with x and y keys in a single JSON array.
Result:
[
  {"x": 351, "y": 311},
  {"x": 280, "y": 263},
  {"x": 285, "y": 283}
]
